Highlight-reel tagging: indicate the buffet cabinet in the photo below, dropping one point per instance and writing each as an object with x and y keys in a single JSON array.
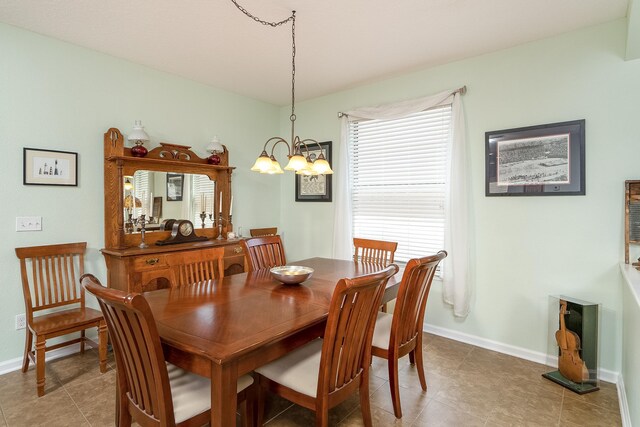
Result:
[
  {"x": 140, "y": 262},
  {"x": 152, "y": 268}
]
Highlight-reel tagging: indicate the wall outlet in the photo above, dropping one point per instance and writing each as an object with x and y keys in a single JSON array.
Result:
[
  {"x": 29, "y": 223},
  {"x": 21, "y": 321}
]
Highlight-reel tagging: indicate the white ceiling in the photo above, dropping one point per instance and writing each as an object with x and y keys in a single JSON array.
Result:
[{"x": 340, "y": 43}]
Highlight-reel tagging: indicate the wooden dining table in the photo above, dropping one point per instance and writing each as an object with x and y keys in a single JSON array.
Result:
[{"x": 225, "y": 328}]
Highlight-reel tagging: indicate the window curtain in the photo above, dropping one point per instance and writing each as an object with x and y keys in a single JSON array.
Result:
[{"x": 456, "y": 279}]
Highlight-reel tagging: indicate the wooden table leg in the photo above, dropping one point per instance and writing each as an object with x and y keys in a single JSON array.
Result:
[{"x": 224, "y": 401}]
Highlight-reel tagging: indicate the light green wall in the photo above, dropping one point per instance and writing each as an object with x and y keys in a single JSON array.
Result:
[
  {"x": 59, "y": 96},
  {"x": 527, "y": 248}
]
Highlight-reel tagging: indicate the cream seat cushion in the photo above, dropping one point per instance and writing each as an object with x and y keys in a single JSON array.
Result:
[
  {"x": 297, "y": 370},
  {"x": 191, "y": 393},
  {"x": 382, "y": 332}
]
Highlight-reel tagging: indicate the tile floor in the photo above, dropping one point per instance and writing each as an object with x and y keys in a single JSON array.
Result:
[{"x": 467, "y": 386}]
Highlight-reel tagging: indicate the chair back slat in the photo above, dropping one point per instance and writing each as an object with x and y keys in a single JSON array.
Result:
[
  {"x": 346, "y": 348},
  {"x": 377, "y": 251},
  {"x": 259, "y": 232},
  {"x": 142, "y": 373},
  {"x": 49, "y": 275},
  {"x": 412, "y": 297},
  {"x": 263, "y": 252}
]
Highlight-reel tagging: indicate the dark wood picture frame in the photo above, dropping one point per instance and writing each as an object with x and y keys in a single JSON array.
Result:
[
  {"x": 49, "y": 167},
  {"x": 315, "y": 188},
  {"x": 175, "y": 186},
  {"x": 542, "y": 160}
]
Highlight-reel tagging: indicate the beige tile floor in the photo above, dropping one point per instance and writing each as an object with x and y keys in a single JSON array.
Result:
[{"x": 467, "y": 386}]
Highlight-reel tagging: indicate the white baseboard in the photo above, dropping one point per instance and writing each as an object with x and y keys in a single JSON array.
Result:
[
  {"x": 16, "y": 364},
  {"x": 522, "y": 353},
  {"x": 624, "y": 403}
]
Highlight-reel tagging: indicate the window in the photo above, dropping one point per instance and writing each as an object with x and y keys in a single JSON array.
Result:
[
  {"x": 398, "y": 173},
  {"x": 202, "y": 191},
  {"x": 142, "y": 188}
]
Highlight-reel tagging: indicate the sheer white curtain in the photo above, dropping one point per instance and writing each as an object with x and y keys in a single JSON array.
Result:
[{"x": 455, "y": 276}]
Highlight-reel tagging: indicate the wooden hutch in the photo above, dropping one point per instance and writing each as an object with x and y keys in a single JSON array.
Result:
[{"x": 134, "y": 269}]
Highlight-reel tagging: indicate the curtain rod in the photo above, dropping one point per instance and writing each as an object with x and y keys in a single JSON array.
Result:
[{"x": 461, "y": 90}]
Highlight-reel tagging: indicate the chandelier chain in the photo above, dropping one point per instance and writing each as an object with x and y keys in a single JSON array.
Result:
[{"x": 255, "y": 18}]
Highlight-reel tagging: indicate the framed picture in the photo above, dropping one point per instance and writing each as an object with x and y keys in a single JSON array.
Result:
[
  {"x": 49, "y": 167},
  {"x": 543, "y": 160},
  {"x": 157, "y": 207},
  {"x": 175, "y": 183},
  {"x": 315, "y": 188}
]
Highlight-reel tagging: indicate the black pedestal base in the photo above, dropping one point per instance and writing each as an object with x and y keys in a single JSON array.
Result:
[{"x": 580, "y": 388}]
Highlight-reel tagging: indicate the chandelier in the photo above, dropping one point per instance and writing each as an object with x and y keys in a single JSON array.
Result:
[{"x": 299, "y": 154}]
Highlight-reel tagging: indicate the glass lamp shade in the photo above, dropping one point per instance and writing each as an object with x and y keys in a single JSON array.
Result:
[
  {"x": 307, "y": 170},
  {"x": 262, "y": 164},
  {"x": 215, "y": 146},
  {"x": 128, "y": 185},
  {"x": 138, "y": 133},
  {"x": 296, "y": 162},
  {"x": 275, "y": 167},
  {"x": 321, "y": 166}
]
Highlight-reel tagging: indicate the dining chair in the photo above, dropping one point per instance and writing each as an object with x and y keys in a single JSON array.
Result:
[
  {"x": 326, "y": 371},
  {"x": 259, "y": 232},
  {"x": 379, "y": 251},
  {"x": 400, "y": 333},
  {"x": 150, "y": 390},
  {"x": 197, "y": 266},
  {"x": 263, "y": 252},
  {"x": 49, "y": 281}
]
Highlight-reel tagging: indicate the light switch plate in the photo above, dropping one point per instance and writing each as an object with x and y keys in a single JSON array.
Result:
[{"x": 29, "y": 223}]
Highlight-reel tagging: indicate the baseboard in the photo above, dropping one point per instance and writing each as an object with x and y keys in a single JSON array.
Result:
[
  {"x": 624, "y": 403},
  {"x": 16, "y": 364},
  {"x": 522, "y": 353}
]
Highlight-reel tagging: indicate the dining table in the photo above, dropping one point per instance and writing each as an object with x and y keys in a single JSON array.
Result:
[{"x": 225, "y": 328}]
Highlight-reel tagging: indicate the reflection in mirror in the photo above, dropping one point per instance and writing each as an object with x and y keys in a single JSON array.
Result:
[{"x": 160, "y": 196}]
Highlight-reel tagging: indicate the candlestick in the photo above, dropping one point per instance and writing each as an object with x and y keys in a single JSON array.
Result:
[{"x": 142, "y": 244}]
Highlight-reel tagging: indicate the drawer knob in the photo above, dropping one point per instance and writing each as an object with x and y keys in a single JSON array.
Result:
[
  {"x": 237, "y": 249},
  {"x": 152, "y": 261}
]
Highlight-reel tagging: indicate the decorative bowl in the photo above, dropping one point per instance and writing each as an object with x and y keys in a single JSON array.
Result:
[{"x": 291, "y": 274}]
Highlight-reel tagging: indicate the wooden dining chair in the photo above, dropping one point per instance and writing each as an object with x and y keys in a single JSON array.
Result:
[
  {"x": 325, "y": 372},
  {"x": 400, "y": 333},
  {"x": 50, "y": 281},
  {"x": 263, "y": 252},
  {"x": 379, "y": 251},
  {"x": 259, "y": 232},
  {"x": 150, "y": 390},
  {"x": 197, "y": 266}
]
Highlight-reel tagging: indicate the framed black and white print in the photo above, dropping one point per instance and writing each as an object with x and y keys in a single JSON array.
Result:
[
  {"x": 315, "y": 188},
  {"x": 175, "y": 184},
  {"x": 543, "y": 160},
  {"x": 50, "y": 167}
]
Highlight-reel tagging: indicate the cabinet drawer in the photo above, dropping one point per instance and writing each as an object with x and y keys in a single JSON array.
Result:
[
  {"x": 149, "y": 262},
  {"x": 233, "y": 250}
]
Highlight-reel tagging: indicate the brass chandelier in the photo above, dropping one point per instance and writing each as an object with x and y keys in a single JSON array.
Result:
[{"x": 299, "y": 154}]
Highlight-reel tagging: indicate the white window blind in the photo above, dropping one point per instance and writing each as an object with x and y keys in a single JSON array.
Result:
[
  {"x": 202, "y": 191},
  {"x": 141, "y": 190},
  {"x": 398, "y": 171}
]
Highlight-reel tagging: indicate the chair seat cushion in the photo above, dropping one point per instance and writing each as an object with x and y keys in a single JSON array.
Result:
[
  {"x": 65, "y": 319},
  {"x": 382, "y": 332},
  {"x": 191, "y": 393},
  {"x": 297, "y": 370}
]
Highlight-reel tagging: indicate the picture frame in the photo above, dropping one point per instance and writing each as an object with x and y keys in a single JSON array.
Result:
[
  {"x": 542, "y": 160},
  {"x": 315, "y": 188},
  {"x": 49, "y": 167},
  {"x": 175, "y": 186}
]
